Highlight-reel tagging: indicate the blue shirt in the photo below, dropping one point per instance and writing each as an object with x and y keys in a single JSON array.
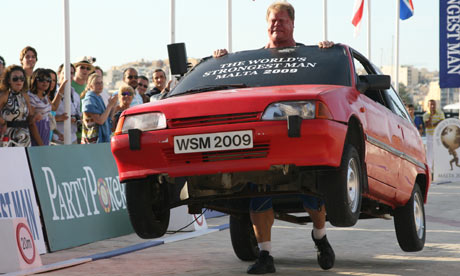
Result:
[{"x": 93, "y": 103}]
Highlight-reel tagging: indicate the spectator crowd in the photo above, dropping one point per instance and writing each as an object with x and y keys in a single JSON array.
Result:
[{"x": 32, "y": 111}]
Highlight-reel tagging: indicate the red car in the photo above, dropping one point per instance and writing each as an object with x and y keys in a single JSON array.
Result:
[{"x": 300, "y": 120}]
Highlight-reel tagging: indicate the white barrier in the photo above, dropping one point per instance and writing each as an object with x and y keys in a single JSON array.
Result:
[
  {"x": 17, "y": 195},
  {"x": 18, "y": 250}
]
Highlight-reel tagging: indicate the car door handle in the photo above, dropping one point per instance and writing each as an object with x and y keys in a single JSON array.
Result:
[{"x": 402, "y": 131}]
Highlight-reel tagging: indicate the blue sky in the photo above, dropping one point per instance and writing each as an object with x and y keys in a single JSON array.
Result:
[{"x": 116, "y": 32}]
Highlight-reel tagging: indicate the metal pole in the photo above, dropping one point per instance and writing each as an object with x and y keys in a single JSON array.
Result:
[
  {"x": 397, "y": 48},
  {"x": 369, "y": 30},
  {"x": 67, "y": 76},
  {"x": 229, "y": 26},
  {"x": 173, "y": 21},
  {"x": 324, "y": 19},
  {"x": 172, "y": 24}
]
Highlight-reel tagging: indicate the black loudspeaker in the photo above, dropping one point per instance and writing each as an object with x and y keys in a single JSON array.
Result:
[{"x": 177, "y": 58}]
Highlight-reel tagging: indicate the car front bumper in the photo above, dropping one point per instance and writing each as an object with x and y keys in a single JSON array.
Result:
[{"x": 320, "y": 144}]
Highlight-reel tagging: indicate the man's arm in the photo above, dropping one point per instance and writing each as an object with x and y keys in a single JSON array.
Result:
[
  {"x": 427, "y": 119},
  {"x": 222, "y": 52}
]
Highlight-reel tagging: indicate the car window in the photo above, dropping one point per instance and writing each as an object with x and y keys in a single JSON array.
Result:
[
  {"x": 362, "y": 67},
  {"x": 268, "y": 67},
  {"x": 387, "y": 98},
  {"x": 396, "y": 104}
]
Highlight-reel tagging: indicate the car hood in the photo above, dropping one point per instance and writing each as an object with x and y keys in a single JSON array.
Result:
[{"x": 228, "y": 101}]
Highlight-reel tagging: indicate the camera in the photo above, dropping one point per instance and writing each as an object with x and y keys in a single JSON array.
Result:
[{"x": 77, "y": 121}]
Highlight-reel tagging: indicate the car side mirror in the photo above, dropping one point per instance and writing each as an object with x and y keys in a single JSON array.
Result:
[
  {"x": 177, "y": 58},
  {"x": 373, "y": 82}
]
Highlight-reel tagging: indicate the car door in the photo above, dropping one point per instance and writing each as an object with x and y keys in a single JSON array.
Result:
[
  {"x": 409, "y": 148},
  {"x": 382, "y": 138}
]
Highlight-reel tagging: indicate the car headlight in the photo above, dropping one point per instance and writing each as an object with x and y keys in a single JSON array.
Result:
[
  {"x": 144, "y": 122},
  {"x": 303, "y": 109},
  {"x": 282, "y": 110}
]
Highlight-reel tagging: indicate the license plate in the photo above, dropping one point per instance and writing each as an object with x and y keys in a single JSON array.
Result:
[{"x": 213, "y": 141}]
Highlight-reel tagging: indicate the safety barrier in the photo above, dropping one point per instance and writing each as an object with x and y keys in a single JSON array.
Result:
[
  {"x": 74, "y": 190},
  {"x": 17, "y": 194},
  {"x": 78, "y": 191}
]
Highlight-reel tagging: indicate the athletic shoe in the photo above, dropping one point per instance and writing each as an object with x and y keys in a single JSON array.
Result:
[
  {"x": 264, "y": 264},
  {"x": 325, "y": 253}
]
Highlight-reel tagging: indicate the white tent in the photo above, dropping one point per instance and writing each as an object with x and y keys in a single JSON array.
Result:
[{"x": 452, "y": 106}]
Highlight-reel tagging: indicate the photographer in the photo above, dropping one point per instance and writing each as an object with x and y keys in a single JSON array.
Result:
[{"x": 61, "y": 116}]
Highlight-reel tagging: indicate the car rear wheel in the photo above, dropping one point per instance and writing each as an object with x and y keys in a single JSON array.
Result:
[
  {"x": 410, "y": 223},
  {"x": 145, "y": 200},
  {"x": 343, "y": 190},
  {"x": 243, "y": 238}
]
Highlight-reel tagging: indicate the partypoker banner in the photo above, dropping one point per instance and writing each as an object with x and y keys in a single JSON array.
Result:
[
  {"x": 80, "y": 194},
  {"x": 449, "y": 43}
]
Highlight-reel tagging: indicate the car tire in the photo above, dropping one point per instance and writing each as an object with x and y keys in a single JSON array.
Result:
[
  {"x": 144, "y": 203},
  {"x": 243, "y": 238},
  {"x": 343, "y": 191},
  {"x": 410, "y": 224}
]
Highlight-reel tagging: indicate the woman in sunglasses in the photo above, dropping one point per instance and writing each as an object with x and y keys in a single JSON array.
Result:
[
  {"x": 40, "y": 86},
  {"x": 125, "y": 98},
  {"x": 16, "y": 120},
  {"x": 97, "y": 123},
  {"x": 51, "y": 97}
]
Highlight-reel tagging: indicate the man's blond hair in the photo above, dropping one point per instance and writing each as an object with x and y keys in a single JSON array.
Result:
[{"x": 281, "y": 6}]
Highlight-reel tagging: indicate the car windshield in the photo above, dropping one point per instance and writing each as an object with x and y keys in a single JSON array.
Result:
[{"x": 268, "y": 67}]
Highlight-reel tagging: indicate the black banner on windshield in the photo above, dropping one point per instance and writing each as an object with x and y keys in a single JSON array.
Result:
[{"x": 270, "y": 67}]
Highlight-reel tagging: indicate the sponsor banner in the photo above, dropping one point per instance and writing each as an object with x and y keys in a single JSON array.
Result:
[
  {"x": 17, "y": 195},
  {"x": 446, "y": 148},
  {"x": 18, "y": 250},
  {"x": 449, "y": 43},
  {"x": 80, "y": 194}
]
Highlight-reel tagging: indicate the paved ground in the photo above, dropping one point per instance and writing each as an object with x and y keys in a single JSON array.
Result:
[{"x": 368, "y": 248}]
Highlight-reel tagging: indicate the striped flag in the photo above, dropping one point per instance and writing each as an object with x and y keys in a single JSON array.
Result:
[
  {"x": 406, "y": 9},
  {"x": 358, "y": 15}
]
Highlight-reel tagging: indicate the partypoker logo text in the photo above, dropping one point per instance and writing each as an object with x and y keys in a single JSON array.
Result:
[{"x": 85, "y": 195}]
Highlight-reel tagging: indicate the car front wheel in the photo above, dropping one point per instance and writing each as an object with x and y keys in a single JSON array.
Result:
[
  {"x": 409, "y": 223},
  {"x": 145, "y": 200},
  {"x": 243, "y": 238},
  {"x": 343, "y": 191}
]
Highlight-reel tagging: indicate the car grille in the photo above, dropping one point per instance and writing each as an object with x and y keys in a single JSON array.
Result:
[
  {"x": 258, "y": 151},
  {"x": 214, "y": 120}
]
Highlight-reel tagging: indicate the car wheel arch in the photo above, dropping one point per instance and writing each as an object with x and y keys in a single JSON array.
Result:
[
  {"x": 422, "y": 181},
  {"x": 355, "y": 136}
]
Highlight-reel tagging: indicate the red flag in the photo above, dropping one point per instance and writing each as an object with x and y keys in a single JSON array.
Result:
[{"x": 357, "y": 15}]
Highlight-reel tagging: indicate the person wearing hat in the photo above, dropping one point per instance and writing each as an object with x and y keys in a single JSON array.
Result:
[{"x": 83, "y": 69}]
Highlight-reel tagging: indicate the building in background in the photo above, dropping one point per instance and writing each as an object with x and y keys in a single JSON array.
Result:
[{"x": 408, "y": 75}]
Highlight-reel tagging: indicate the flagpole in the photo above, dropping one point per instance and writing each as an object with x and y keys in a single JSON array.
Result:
[
  {"x": 369, "y": 30},
  {"x": 229, "y": 26},
  {"x": 325, "y": 20},
  {"x": 172, "y": 26},
  {"x": 396, "y": 58},
  {"x": 172, "y": 22},
  {"x": 67, "y": 76}
]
